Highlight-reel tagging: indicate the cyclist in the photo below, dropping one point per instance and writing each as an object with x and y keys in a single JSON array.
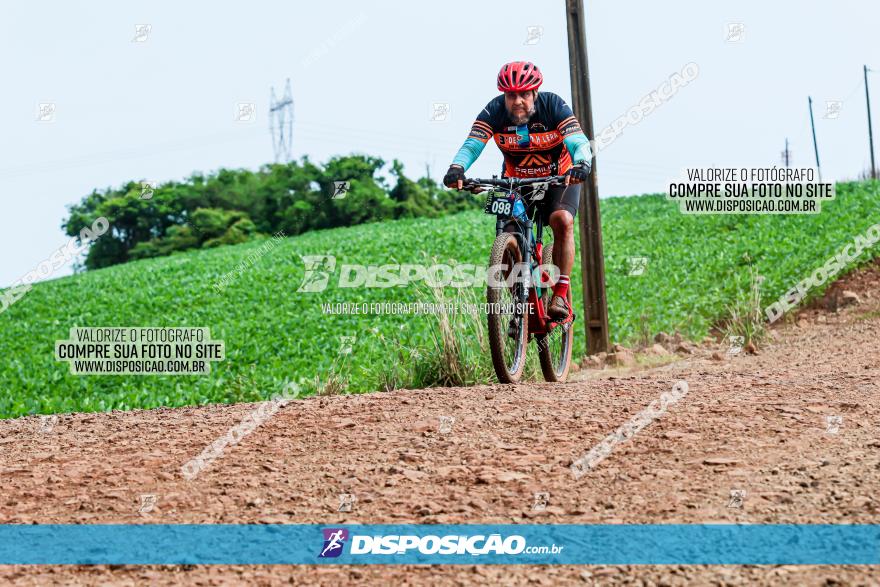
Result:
[{"x": 538, "y": 136}]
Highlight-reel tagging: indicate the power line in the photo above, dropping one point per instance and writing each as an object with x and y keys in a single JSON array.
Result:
[{"x": 124, "y": 153}]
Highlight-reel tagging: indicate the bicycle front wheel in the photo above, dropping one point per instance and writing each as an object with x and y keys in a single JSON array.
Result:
[{"x": 508, "y": 323}]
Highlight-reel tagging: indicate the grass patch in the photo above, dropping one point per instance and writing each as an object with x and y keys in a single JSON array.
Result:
[{"x": 699, "y": 271}]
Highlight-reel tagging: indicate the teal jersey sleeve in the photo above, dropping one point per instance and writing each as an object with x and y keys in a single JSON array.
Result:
[
  {"x": 468, "y": 152},
  {"x": 574, "y": 138},
  {"x": 481, "y": 132},
  {"x": 579, "y": 148}
]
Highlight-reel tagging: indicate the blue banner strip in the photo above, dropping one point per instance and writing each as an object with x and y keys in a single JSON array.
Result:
[{"x": 624, "y": 544}]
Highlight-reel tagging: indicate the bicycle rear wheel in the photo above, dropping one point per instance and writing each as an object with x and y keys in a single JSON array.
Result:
[
  {"x": 508, "y": 324},
  {"x": 554, "y": 349}
]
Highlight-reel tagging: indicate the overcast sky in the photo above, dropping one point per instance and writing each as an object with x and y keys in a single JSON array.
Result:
[{"x": 366, "y": 76}]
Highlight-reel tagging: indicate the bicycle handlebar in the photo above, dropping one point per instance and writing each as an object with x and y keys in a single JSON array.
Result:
[{"x": 511, "y": 182}]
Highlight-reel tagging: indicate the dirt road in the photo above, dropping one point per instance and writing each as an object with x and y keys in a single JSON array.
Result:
[{"x": 795, "y": 427}]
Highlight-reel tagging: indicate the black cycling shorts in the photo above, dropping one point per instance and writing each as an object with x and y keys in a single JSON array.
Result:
[{"x": 558, "y": 197}]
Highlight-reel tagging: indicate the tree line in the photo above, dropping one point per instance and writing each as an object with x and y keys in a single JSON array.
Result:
[{"x": 236, "y": 205}]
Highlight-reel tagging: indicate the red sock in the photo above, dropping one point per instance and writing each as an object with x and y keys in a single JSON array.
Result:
[{"x": 561, "y": 287}]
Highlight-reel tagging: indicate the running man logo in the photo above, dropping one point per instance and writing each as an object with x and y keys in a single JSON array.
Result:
[
  {"x": 334, "y": 541},
  {"x": 534, "y": 160},
  {"x": 736, "y": 344},
  {"x": 317, "y": 272},
  {"x": 47, "y": 423},
  {"x": 340, "y": 188},
  {"x": 147, "y": 188},
  {"x": 446, "y": 423},
  {"x": 637, "y": 265},
  {"x": 245, "y": 112},
  {"x": 346, "y": 502},
  {"x": 737, "y": 497},
  {"x": 46, "y": 112},
  {"x": 834, "y": 423},
  {"x": 148, "y": 503},
  {"x": 539, "y": 190},
  {"x": 542, "y": 500},
  {"x": 142, "y": 33}
]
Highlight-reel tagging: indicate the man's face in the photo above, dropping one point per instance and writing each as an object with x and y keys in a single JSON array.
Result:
[{"x": 520, "y": 105}]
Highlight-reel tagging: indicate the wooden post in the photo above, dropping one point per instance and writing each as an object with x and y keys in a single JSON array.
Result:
[
  {"x": 870, "y": 130},
  {"x": 590, "y": 225}
]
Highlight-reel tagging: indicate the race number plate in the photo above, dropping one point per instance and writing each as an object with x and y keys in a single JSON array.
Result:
[{"x": 499, "y": 205}]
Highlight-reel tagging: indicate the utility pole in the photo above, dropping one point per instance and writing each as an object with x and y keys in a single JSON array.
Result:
[
  {"x": 590, "y": 225},
  {"x": 870, "y": 130},
  {"x": 281, "y": 123},
  {"x": 815, "y": 145},
  {"x": 786, "y": 154}
]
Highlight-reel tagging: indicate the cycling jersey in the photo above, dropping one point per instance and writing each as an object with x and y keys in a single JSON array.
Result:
[{"x": 548, "y": 144}]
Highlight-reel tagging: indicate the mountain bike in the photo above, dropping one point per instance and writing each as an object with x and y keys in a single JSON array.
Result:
[{"x": 520, "y": 278}]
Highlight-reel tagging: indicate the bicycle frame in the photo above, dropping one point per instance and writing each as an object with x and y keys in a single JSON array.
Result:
[{"x": 530, "y": 240}]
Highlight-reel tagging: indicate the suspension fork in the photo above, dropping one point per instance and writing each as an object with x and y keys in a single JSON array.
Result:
[
  {"x": 525, "y": 242},
  {"x": 499, "y": 226}
]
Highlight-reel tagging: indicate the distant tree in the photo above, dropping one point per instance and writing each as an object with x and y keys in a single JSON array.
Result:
[
  {"x": 235, "y": 205},
  {"x": 411, "y": 199}
]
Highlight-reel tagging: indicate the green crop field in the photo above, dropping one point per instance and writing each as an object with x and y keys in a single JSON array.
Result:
[{"x": 697, "y": 265}]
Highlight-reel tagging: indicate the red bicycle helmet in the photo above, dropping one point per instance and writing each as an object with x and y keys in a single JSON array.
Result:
[{"x": 519, "y": 76}]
